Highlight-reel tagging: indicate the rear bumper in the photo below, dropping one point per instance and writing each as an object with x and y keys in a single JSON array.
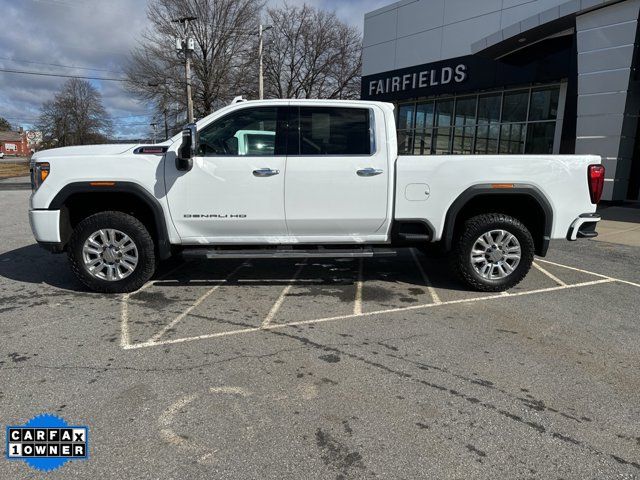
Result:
[{"x": 584, "y": 227}]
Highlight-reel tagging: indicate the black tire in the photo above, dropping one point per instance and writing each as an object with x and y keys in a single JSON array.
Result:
[
  {"x": 475, "y": 227},
  {"x": 127, "y": 224}
]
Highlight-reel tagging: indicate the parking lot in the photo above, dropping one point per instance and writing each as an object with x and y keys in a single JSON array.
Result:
[{"x": 382, "y": 368}]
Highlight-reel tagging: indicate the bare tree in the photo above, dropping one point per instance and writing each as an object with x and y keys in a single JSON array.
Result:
[
  {"x": 311, "y": 54},
  {"x": 223, "y": 61},
  {"x": 4, "y": 124},
  {"x": 75, "y": 116}
]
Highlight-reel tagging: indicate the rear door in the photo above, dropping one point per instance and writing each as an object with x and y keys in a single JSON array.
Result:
[{"x": 337, "y": 178}]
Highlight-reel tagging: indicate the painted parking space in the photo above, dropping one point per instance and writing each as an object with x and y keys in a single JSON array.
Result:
[{"x": 217, "y": 299}]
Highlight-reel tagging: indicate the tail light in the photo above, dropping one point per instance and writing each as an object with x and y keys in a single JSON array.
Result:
[{"x": 596, "y": 182}]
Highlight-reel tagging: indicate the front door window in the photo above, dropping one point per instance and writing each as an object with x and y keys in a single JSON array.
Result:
[{"x": 247, "y": 132}]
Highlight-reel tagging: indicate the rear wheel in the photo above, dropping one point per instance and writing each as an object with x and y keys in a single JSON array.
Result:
[
  {"x": 494, "y": 252},
  {"x": 112, "y": 252}
]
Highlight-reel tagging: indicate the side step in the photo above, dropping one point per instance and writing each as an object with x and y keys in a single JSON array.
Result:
[
  {"x": 415, "y": 237},
  {"x": 215, "y": 253}
]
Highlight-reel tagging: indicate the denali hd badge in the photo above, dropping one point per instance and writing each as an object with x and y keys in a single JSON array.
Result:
[
  {"x": 47, "y": 442},
  {"x": 215, "y": 215}
]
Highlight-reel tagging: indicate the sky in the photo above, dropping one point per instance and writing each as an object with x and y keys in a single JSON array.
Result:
[{"x": 91, "y": 38}]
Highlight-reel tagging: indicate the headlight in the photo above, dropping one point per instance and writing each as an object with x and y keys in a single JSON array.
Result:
[{"x": 39, "y": 173}]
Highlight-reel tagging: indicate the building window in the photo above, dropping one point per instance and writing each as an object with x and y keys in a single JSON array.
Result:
[{"x": 507, "y": 122}]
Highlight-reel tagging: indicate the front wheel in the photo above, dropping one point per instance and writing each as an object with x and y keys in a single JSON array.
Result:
[
  {"x": 494, "y": 252},
  {"x": 112, "y": 252}
]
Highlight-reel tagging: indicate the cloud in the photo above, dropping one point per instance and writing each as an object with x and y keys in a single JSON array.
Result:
[{"x": 94, "y": 34}]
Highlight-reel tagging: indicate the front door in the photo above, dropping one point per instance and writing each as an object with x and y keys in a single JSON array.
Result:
[
  {"x": 235, "y": 190},
  {"x": 337, "y": 180}
]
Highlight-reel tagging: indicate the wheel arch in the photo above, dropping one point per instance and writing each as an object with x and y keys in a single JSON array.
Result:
[
  {"x": 526, "y": 202},
  {"x": 79, "y": 199}
]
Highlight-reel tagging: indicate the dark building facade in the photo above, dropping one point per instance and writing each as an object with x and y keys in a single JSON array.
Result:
[{"x": 539, "y": 77}]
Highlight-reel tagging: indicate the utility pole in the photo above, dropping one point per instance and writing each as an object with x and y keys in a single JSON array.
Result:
[
  {"x": 186, "y": 45},
  {"x": 261, "y": 30},
  {"x": 163, "y": 105},
  {"x": 155, "y": 133},
  {"x": 166, "y": 125}
]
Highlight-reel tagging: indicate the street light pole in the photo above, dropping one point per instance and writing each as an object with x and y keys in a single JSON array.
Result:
[{"x": 261, "y": 30}]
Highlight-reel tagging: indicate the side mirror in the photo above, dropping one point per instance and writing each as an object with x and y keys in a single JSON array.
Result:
[{"x": 188, "y": 149}]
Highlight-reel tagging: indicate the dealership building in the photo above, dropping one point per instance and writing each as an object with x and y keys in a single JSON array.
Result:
[{"x": 511, "y": 77}]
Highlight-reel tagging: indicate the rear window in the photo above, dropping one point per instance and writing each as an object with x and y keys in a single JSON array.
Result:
[{"x": 334, "y": 131}]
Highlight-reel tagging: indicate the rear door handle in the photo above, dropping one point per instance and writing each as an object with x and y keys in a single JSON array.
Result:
[
  {"x": 369, "y": 172},
  {"x": 265, "y": 172}
]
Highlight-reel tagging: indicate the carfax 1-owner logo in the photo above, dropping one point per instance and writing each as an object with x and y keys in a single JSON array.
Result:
[{"x": 47, "y": 442}]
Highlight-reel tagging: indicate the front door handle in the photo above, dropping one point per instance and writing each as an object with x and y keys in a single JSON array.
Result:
[
  {"x": 265, "y": 172},
  {"x": 369, "y": 172}
]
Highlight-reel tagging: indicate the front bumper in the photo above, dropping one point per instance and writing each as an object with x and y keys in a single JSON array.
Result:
[
  {"x": 584, "y": 226},
  {"x": 45, "y": 225}
]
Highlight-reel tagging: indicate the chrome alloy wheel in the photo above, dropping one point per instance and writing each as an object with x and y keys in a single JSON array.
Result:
[
  {"x": 110, "y": 255},
  {"x": 496, "y": 254}
]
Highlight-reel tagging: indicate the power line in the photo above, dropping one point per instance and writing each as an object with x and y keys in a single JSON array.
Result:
[
  {"x": 58, "y": 65},
  {"x": 24, "y": 72},
  {"x": 35, "y": 116},
  {"x": 60, "y": 3}
]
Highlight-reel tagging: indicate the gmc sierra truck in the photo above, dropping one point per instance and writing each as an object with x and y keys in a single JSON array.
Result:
[{"x": 304, "y": 178}]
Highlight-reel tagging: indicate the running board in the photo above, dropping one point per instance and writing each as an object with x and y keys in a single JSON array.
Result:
[
  {"x": 414, "y": 237},
  {"x": 216, "y": 253}
]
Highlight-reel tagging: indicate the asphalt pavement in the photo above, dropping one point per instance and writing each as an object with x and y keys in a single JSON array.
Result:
[{"x": 332, "y": 369}]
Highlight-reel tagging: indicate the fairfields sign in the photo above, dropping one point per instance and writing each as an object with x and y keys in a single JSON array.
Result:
[
  {"x": 431, "y": 77},
  {"x": 469, "y": 73}
]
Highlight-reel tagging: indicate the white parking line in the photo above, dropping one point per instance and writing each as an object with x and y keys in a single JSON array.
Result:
[
  {"x": 628, "y": 282},
  {"x": 549, "y": 274},
  {"x": 357, "y": 303},
  {"x": 431, "y": 290},
  {"x": 175, "y": 321},
  {"x": 125, "y": 338},
  {"x": 619, "y": 280},
  {"x": 276, "y": 306},
  {"x": 575, "y": 269},
  {"x": 152, "y": 343}
]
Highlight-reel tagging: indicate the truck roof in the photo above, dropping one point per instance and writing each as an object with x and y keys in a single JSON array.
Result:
[
  {"x": 288, "y": 101},
  {"x": 311, "y": 101}
]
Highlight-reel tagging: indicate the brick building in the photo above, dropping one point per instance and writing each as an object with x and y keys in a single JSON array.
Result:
[{"x": 14, "y": 143}]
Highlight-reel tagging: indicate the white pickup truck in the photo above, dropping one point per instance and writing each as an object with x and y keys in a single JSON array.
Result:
[{"x": 303, "y": 178}]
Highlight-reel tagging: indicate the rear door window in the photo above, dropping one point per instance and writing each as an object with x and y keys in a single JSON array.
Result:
[{"x": 334, "y": 131}]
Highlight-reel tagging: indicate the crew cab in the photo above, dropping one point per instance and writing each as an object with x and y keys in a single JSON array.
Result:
[{"x": 304, "y": 178}]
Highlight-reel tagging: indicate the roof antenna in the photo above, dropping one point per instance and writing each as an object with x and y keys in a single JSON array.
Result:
[{"x": 238, "y": 99}]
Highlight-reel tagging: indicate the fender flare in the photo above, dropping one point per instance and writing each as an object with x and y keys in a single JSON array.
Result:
[
  {"x": 163, "y": 244},
  {"x": 486, "y": 189}
]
